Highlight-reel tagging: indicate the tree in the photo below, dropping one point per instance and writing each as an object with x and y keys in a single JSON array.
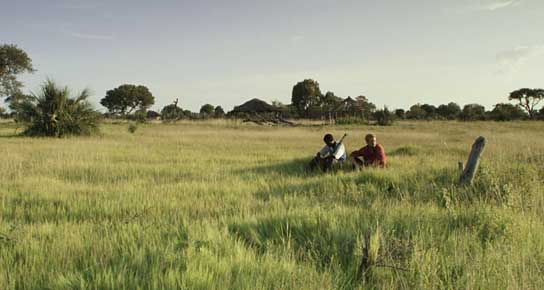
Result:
[
  {"x": 416, "y": 112},
  {"x": 384, "y": 117},
  {"x": 218, "y": 112},
  {"x": 207, "y": 110},
  {"x": 125, "y": 99},
  {"x": 2, "y": 112},
  {"x": 400, "y": 114},
  {"x": 472, "y": 112},
  {"x": 430, "y": 111},
  {"x": 541, "y": 113},
  {"x": 13, "y": 61},
  {"x": 364, "y": 107},
  {"x": 329, "y": 102},
  {"x": 172, "y": 112},
  {"x": 306, "y": 94},
  {"x": 507, "y": 112},
  {"x": 16, "y": 102},
  {"x": 450, "y": 111},
  {"x": 53, "y": 113},
  {"x": 528, "y": 99}
]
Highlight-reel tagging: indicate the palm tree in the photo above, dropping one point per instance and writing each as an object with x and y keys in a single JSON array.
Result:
[{"x": 53, "y": 113}]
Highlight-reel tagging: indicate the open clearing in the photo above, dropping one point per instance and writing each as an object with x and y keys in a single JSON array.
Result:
[{"x": 220, "y": 205}]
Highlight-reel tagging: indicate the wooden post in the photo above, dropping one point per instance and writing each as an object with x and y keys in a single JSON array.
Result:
[{"x": 473, "y": 160}]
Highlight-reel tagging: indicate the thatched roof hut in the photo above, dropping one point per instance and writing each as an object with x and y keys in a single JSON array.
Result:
[
  {"x": 256, "y": 106},
  {"x": 347, "y": 105}
]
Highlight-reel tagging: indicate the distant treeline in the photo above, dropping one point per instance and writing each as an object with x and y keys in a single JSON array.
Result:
[{"x": 129, "y": 101}]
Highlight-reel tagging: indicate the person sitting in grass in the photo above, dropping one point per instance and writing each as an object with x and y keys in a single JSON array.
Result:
[
  {"x": 372, "y": 154},
  {"x": 331, "y": 153}
]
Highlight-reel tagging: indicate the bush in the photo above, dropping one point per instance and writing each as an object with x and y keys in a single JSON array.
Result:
[
  {"x": 351, "y": 121},
  {"x": 384, "y": 117},
  {"x": 132, "y": 128},
  {"x": 53, "y": 113},
  {"x": 171, "y": 113}
]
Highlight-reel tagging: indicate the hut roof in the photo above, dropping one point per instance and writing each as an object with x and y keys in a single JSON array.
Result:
[
  {"x": 346, "y": 105},
  {"x": 256, "y": 106}
]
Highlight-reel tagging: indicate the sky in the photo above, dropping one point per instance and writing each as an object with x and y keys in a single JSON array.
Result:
[{"x": 396, "y": 52}]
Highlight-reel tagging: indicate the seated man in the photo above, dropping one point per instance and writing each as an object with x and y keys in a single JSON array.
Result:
[
  {"x": 373, "y": 154},
  {"x": 331, "y": 153}
]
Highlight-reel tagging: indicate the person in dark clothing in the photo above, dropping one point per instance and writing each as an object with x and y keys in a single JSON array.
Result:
[{"x": 331, "y": 153}]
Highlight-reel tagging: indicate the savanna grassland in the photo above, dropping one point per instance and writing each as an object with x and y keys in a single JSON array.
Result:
[{"x": 222, "y": 205}]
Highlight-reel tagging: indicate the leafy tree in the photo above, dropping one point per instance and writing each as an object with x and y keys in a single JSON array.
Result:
[
  {"x": 53, "y": 113},
  {"x": 306, "y": 94},
  {"x": 416, "y": 112},
  {"x": 207, "y": 110},
  {"x": 528, "y": 99},
  {"x": 218, "y": 112},
  {"x": 384, "y": 117},
  {"x": 3, "y": 112},
  {"x": 400, "y": 114},
  {"x": 430, "y": 111},
  {"x": 450, "y": 111},
  {"x": 507, "y": 112},
  {"x": 13, "y": 61},
  {"x": 472, "y": 112},
  {"x": 364, "y": 107},
  {"x": 329, "y": 102},
  {"x": 172, "y": 112},
  {"x": 125, "y": 99}
]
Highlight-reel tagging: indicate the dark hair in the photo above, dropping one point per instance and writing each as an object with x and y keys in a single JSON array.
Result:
[{"x": 328, "y": 138}]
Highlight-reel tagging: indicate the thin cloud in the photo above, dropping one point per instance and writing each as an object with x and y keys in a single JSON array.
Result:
[
  {"x": 90, "y": 36},
  {"x": 492, "y": 5},
  {"x": 511, "y": 60}
]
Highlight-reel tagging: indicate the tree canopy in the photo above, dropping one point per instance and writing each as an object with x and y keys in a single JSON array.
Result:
[
  {"x": 207, "y": 110},
  {"x": 126, "y": 98},
  {"x": 219, "y": 112},
  {"x": 306, "y": 94},
  {"x": 450, "y": 111},
  {"x": 528, "y": 99},
  {"x": 13, "y": 61},
  {"x": 472, "y": 112},
  {"x": 507, "y": 112}
]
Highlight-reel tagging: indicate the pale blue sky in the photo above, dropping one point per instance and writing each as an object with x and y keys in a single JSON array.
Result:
[{"x": 397, "y": 53}]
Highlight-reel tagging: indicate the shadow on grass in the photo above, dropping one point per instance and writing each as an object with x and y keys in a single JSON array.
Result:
[{"x": 309, "y": 240}]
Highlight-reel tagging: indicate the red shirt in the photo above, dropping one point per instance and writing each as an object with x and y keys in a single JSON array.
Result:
[{"x": 372, "y": 156}]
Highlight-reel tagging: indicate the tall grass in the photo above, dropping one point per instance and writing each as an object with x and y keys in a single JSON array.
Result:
[{"x": 220, "y": 205}]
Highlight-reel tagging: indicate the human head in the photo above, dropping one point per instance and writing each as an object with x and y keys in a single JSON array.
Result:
[
  {"x": 328, "y": 139},
  {"x": 370, "y": 140}
]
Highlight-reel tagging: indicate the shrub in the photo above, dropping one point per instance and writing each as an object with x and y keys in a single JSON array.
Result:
[
  {"x": 351, "y": 121},
  {"x": 53, "y": 113},
  {"x": 172, "y": 112},
  {"x": 384, "y": 117},
  {"x": 132, "y": 128}
]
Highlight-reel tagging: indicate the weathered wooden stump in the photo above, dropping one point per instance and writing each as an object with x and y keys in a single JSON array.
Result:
[{"x": 467, "y": 176}]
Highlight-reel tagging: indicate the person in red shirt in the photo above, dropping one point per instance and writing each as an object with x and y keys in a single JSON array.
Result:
[{"x": 372, "y": 154}]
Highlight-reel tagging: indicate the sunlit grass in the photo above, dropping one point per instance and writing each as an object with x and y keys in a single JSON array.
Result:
[{"x": 223, "y": 205}]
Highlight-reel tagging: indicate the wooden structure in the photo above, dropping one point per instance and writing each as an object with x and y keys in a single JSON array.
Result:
[
  {"x": 469, "y": 171},
  {"x": 260, "y": 112}
]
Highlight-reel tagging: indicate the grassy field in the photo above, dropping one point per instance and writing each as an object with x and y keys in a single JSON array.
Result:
[{"x": 228, "y": 206}]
